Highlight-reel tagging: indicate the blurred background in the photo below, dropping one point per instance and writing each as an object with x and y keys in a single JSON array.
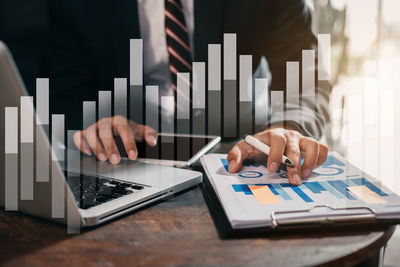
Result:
[
  {"x": 365, "y": 63},
  {"x": 366, "y": 88}
]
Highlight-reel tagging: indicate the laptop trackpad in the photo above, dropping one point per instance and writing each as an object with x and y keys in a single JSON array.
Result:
[{"x": 136, "y": 172}]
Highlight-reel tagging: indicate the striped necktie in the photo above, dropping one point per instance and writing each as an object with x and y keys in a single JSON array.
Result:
[{"x": 177, "y": 34}]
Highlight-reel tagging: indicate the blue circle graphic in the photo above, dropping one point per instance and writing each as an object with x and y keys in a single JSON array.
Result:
[{"x": 250, "y": 174}]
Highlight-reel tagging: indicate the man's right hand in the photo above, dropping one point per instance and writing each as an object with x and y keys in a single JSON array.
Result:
[{"x": 99, "y": 138}]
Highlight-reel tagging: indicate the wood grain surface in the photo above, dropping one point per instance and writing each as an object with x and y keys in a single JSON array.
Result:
[{"x": 176, "y": 232}]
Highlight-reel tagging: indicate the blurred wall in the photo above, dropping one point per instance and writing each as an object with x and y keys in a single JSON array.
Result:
[{"x": 24, "y": 27}]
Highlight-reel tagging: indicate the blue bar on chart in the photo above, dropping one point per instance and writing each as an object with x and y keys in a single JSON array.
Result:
[
  {"x": 277, "y": 108},
  {"x": 314, "y": 187},
  {"x": 11, "y": 159},
  {"x": 136, "y": 81},
  {"x": 342, "y": 188},
  {"x": 152, "y": 108},
  {"x": 229, "y": 106},
  {"x": 246, "y": 95},
  {"x": 298, "y": 191},
  {"x": 332, "y": 190},
  {"x": 261, "y": 103},
  {"x": 280, "y": 191},
  {"x": 27, "y": 148},
  {"x": 42, "y": 124},
  {"x": 168, "y": 127},
  {"x": 214, "y": 89},
  {"x": 310, "y": 191},
  {"x": 292, "y": 85},
  {"x": 183, "y": 115},
  {"x": 58, "y": 154}
]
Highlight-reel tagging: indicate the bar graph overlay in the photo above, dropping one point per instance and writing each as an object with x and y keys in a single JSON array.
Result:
[
  {"x": 58, "y": 161},
  {"x": 261, "y": 103},
  {"x": 214, "y": 89},
  {"x": 11, "y": 158},
  {"x": 136, "y": 81},
  {"x": 246, "y": 95},
  {"x": 42, "y": 121},
  {"x": 221, "y": 96},
  {"x": 230, "y": 98},
  {"x": 352, "y": 189},
  {"x": 27, "y": 148}
]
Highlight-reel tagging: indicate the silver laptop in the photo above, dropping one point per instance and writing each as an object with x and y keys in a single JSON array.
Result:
[{"x": 95, "y": 192}]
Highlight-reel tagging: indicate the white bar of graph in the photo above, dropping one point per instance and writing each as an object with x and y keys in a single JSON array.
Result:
[
  {"x": 42, "y": 124},
  {"x": 11, "y": 159},
  {"x": 168, "y": 127},
  {"x": 136, "y": 80},
  {"x": 199, "y": 97},
  {"x": 308, "y": 73},
  {"x": 292, "y": 85},
  {"x": 27, "y": 149},
  {"x": 183, "y": 114},
  {"x": 246, "y": 94},
  {"x": 120, "y": 97},
  {"x": 214, "y": 89},
  {"x": 324, "y": 57},
  {"x": 199, "y": 104},
  {"x": 89, "y": 113},
  {"x": 152, "y": 108},
  {"x": 183, "y": 102},
  {"x": 355, "y": 130},
  {"x": 230, "y": 116},
  {"x": 261, "y": 103},
  {"x": 308, "y": 81},
  {"x": 105, "y": 112},
  {"x": 42, "y": 101},
  {"x": 73, "y": 167},
  {"x": 277, "y": 107},
  {"x": 58, "y": 155}
]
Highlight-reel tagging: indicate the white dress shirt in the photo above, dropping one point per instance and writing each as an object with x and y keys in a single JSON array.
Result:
[{"x": 155, "y": 54}]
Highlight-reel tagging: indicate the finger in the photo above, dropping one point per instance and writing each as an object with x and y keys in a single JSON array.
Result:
[
  {"x": 277, "y": 146},
  {"x": 150, "y": 135},
  {"x": 81, "y": 144},
  {"x": 124, "y": 130},
  {"x": 107, "y": 139},
  {"x": 311, "y": 148},
  {"x": 322, "y": 155},
  {"x": 237, "y": 154},
  {"x": 90, "y": 136},
  {"x": 292, "y": 151}
]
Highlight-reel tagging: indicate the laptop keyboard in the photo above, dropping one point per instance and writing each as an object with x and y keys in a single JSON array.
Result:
[{"x": 91, "y": 191}]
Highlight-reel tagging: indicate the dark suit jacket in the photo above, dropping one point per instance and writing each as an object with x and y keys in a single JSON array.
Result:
[{"x": 91, "y": 45}]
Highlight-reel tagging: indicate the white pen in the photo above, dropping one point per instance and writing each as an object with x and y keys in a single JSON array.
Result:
[{"x": 254, "y": 142}]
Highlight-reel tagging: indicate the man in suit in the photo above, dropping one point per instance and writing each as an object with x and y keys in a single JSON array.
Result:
[{"x": 91, "y": 48}]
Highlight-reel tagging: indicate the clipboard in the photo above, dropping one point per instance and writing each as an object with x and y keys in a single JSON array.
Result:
[
  {"x": 288, "y": 228},
  {"x": 290, "y": 221}
]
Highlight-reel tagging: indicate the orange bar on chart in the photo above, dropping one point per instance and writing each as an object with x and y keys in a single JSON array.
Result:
[
  {"x": 263, "y": 194},
  {"x": 366, "y": 195}
]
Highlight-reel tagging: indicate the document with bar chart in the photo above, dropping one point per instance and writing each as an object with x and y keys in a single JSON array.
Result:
[{"x": 255, "y": 197}]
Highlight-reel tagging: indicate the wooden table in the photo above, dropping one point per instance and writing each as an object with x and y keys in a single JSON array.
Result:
[{"x": 177, "y": 231}]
